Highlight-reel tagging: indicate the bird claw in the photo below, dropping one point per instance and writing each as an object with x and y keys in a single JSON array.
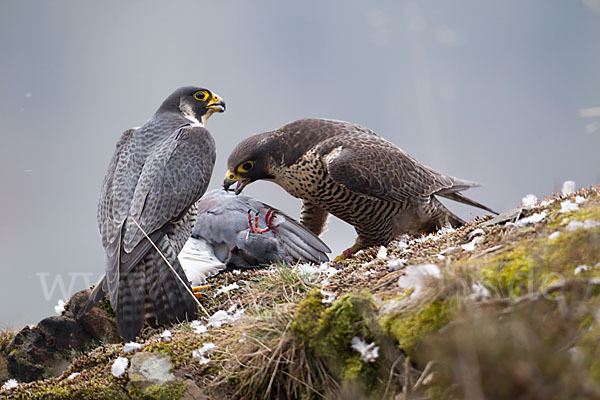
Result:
[
  {"x": 254, "y": 226},
  {"x": 199, "y": 289},
  {"x": 348, "y": 253}
]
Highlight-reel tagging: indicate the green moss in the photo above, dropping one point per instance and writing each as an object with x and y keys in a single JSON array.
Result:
[
  {"x": 326, "y": 334},
  {"x": 510, "y": 271},
  {"x": 166, "y": 391},
  {"x": 306, "y": 321},
  {"x": 104, "y": 304},
  {"x": 535, "y": 262},
  {"x": 410, "y": 328},
  {"x": 96, "y": 387}
]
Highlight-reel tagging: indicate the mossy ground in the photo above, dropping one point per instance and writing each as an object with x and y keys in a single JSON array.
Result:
[{"x": 520, "y": 306}]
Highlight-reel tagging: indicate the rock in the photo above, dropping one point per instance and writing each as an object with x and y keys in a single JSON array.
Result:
[
  {"x": 47, "y": 349},
  {"x": 65, "y": 334},
  {"x": 29, "y": 354},
  {"x": 148, "y": 369},
  {"x": 193, "y": 392},
  {"x": 98, "y": 322}
]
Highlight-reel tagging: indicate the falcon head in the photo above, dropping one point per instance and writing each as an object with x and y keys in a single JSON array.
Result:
[
  {"x": 249, "y": 162},
  {"x": 194, "y": 103}
]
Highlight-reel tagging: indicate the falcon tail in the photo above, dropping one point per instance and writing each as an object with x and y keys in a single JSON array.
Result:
[
  {"x": 459, "y": 185},
  {"x": 152, "y": 292}
]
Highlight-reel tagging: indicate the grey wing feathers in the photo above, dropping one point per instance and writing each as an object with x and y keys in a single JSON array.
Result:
[{"x": 173, "y": 178}]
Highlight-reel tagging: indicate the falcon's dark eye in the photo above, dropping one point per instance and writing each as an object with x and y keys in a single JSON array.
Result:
[
  {"x": 245, "y": 167},
  {"x": 201, "y": 95}
]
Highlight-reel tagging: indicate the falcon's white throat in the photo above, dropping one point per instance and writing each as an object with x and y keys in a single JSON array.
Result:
[{"x": 188, "y": 113}]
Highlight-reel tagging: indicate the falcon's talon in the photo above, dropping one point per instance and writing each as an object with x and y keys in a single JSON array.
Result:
[{"x": 198, "y": 289}]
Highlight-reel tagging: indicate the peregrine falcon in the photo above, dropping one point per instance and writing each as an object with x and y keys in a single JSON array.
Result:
[
  {"x": 349, "y": 171},
  {"x": 241, "y": 232},
  {"x": 155, "y": 177}
]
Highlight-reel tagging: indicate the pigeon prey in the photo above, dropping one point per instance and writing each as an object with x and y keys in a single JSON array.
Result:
[
  {"x": 157, "y": 174},
  {"x": 347, "y": 170},
  {"x": 241, "y": 232}
]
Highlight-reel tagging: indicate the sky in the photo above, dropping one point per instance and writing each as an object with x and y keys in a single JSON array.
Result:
[{"x": 503, "y": 93}]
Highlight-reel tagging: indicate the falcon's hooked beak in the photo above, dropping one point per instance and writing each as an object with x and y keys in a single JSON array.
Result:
[
  {"x": 216, "y": 103},
  {"x": 231, "y": 178}
]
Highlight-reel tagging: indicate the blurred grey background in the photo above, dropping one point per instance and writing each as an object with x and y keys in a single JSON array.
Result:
[{"x": 506, "y": 93}]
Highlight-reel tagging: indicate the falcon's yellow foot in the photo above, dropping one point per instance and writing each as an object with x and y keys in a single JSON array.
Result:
[
  {"x": 198, "y": 289},
  {"x": 348, "y": 253}
]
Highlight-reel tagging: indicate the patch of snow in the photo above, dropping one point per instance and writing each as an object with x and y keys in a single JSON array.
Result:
[
  {"x": 587, "y": 224},
  {"x": 368, "y": 352},
  {"x": 567, "y": 206},
  {"x": 554, "y": 235},
  {"x": 9, "y": 384},
  {"x": 73, "y": 375},
  {"x": 198, "y": 327},
  {"x": 529, "y": 201},
  {"x": 119, "y": 366},
  {"x": 479, "y": 292},
  {"x": 396, "y": 263},
  {"x": 449, "y": 251},
  {"x": 476, "y": 232},
  {"x": 574, "y": 225},
  {"x": 131, "y": 346},
  {"x": 166, "y": 335},
  {"x": 579, "y": 200},
  {"x": 581, "y": 268},
  {"x": 223, "y": 317},
  {"x": 328, "y": 297},
  {"x": 532, "y": 219},
  {"x": 206, "y": 349},
  {"x": 236, "y": 271},
  {"x": 416, "y": 276},
  {"x": 382, "y": 253},
  {"x": 226, "y": 289},
  {"x": 369, "y": 272},
  {"x": 568, "y": 187},
  {"x": 60, "y": 306},
  {"x": 359, "y": 252},
  {"x": 471, "y": 245},
  {"x": 313, "y": 271}
]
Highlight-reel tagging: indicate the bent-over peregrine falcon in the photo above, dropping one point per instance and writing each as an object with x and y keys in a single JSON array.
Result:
[
  {"x": 242, "y": 232},
  {"x": 349, "y": 171},
  {"x": 155, "y": 177}
]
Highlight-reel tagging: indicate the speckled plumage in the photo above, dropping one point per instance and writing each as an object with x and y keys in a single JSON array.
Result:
[
  {"x": 155, "y": 177},
  {"x": 347, "y": 170}
]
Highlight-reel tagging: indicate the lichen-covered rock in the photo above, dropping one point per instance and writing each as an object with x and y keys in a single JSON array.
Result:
[
  {"x": 150, "y": 369},
  {"x": 46, "y": 350}
]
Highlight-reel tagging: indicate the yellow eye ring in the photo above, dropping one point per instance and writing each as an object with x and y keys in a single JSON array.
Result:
[
  {"x": 201, "y": 95},
  {"x": 245, "y": 167}
]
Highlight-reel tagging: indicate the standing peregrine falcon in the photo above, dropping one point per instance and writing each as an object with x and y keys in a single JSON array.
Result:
[
  {"x": 156, "y": 175},
  {"x": 349, "y": 171}
]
